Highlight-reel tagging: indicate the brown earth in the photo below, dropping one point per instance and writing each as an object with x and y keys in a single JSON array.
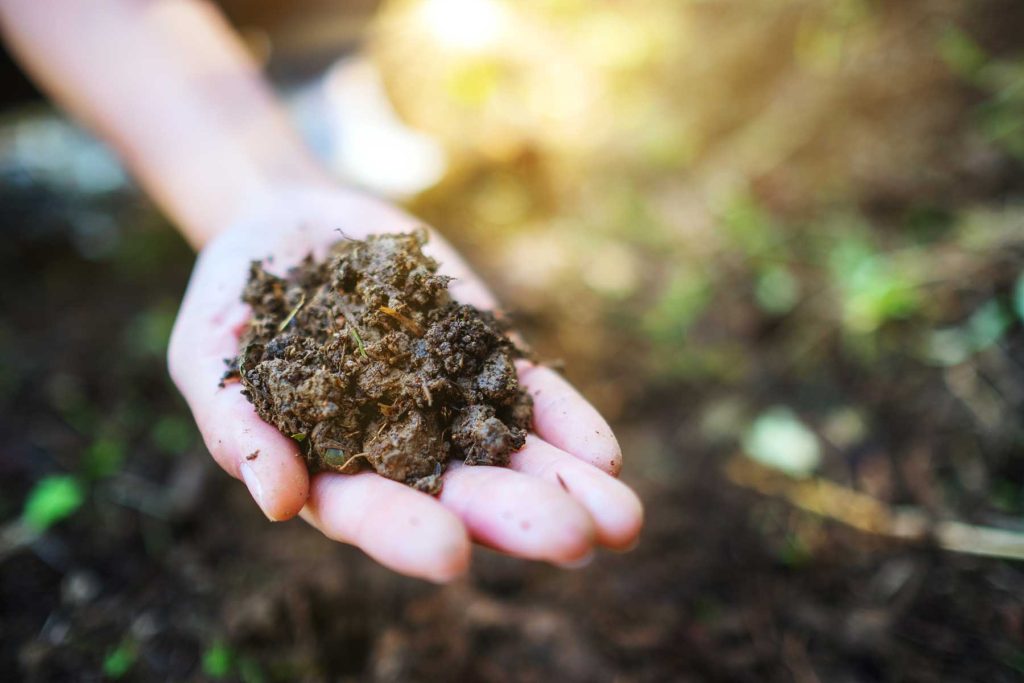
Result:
[
  {"x": 364, "y": 359},
  {"x": 169, "y": 560}
]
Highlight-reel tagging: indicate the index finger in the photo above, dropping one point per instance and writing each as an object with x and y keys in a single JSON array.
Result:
[
  {"x": 563, "y": 418},
  {"x": 205, "y": 333}
]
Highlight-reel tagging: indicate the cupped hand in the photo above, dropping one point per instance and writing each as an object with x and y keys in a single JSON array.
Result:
[{"x": 557, "y": 501}]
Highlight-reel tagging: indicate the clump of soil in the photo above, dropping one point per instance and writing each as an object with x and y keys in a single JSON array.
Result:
[{"x": 365, "y": 359}]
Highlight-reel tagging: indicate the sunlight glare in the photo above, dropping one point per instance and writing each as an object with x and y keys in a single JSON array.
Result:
[{"x": 469, "y": 25}]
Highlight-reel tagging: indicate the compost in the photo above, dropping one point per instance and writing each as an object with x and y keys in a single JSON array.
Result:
[{"x": 366, "y": 361}]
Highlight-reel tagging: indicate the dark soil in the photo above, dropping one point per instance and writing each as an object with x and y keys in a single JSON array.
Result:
[
  {"x": 168, "y": 571},
  {"x": 169, "y": 561},
  {"x": 364, "y": 358}
]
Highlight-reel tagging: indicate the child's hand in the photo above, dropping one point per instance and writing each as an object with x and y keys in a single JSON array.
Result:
[{"x": 558, "y": 499}]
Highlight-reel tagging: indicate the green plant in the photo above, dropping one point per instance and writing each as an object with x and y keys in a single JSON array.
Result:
[
  {"x": 218, "y": 660},
  {"x": 119, "y": 661},
  {"x": 51, "y": 500}
]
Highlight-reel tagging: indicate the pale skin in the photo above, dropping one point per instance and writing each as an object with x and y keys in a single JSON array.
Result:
[{"x": 170, "y": 87}]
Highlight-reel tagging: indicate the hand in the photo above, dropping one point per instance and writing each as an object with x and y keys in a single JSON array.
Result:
[{"x": 558, "y": 499}]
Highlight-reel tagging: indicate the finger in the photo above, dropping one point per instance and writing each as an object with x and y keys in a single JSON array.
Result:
[
  {"x": 399, "y": 527},
  {"x": 566, "y": 420},
  {"x": 615, "y": 509},
  {"x": 249, "y": 449},
  {"x": 517, "y": 514},
  {"x": 205, "y": 333}
]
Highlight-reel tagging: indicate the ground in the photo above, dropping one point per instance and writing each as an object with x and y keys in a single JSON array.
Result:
[
  {"x": 170, "y": 567},
  {"x": 802, "y": 313}
]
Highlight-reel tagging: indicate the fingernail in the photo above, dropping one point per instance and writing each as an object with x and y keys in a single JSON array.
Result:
[
  {"x": 252, "y": 482},
  {"x": 579, "y": 563}
]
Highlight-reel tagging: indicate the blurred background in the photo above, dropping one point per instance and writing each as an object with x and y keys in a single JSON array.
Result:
[{"x": 779, "y": 243}]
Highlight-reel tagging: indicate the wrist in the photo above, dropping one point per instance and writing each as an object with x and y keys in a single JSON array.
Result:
[{"x": 204, "y": 205}]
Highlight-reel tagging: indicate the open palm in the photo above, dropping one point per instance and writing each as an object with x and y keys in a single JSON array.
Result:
[{"x": 556, "y": 501}]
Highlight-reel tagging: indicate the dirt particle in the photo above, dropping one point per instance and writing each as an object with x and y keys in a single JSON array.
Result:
[{"x": 252, "y": 456}]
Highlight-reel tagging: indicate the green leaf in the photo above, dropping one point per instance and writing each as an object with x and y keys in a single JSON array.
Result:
[
  {"x": 103, "y": 458},
  {"x": 680, "y": 304},
  {"x": 748, "y": 225},
  {"x": 961, "y": 54},
  {"x": 357, "y": 339},
  {"x": 874, "y": 287},
  {"x": 249, "y": 670},
  {"x": 51, "y": 500},
  {"x": 119, "y": 661},
  {"x": 217, "y": 661}
]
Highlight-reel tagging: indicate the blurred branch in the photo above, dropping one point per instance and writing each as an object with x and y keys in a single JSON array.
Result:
[{"x": 862, "y": 512}]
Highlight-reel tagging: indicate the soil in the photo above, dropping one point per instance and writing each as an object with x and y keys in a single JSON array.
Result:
[
  {"x": 169, "y": 560},
  {"x": 364, "y": 359},
  {"x": 168, "y": 571}
]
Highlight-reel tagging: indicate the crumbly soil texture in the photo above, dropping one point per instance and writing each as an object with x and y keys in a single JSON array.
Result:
[{"x": 365, "y": 360}]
